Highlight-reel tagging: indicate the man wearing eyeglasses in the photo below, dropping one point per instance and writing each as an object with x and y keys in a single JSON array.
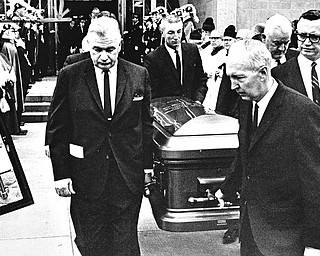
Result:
[
  {"x": 301, "y": 73},
  {"x": 278, "y": 32}
]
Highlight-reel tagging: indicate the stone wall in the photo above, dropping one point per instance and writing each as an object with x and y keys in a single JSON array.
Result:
[
  {"x": 246, "y": 13},
  {"x": 252, "y": 12}
]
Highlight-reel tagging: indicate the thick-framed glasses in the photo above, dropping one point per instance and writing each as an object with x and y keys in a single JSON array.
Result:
[
  {"x": 312, "y": 37},
  {"x": 214, "y": 38}
]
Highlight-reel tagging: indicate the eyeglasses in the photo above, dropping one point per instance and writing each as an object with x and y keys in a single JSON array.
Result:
[
  {"x": 312, "y": 37},
  {"x": 279, "y": 43},
  {"x": 214, "y": 38}
]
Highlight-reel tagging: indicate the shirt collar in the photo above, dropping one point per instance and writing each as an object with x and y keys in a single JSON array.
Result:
[
  {"x": 263, "y": 103},
  {"x": 170, "y": 50},
  {"x": 112, "y": 70},
  {"x": 305, "y": 61}
]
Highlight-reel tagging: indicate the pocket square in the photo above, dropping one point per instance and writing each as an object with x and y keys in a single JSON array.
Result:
[
  {"x": 137, "y": 97},
  {"x": 76, "y": 150}
]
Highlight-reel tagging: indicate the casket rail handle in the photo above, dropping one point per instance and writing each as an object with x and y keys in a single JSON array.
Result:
[{"x": 208, "y": 199}]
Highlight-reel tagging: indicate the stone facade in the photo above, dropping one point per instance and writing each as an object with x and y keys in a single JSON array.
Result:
[{"x": 246, "y": 13}]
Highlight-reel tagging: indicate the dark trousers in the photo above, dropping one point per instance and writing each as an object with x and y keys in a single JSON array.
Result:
[
  {"x": 108, "y": 225},
  {"x": 248, "y": 246}
]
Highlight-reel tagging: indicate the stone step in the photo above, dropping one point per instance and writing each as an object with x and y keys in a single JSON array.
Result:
[
  {"x": 34, "y": 117},
  {"x": 37, "y": 106},
  {"x": 38, "y": 98}
]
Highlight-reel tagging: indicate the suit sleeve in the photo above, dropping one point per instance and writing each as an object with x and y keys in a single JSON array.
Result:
[
  {"x": 154, "y": 74},
  {"x": 200, "y": 81},
  {"x": 67, "y": 61},
  {"x": 58, "y": 128},
  {"x": 147, "y": 125},
  {"x": 232, "y": 183},
  {"x": 307, "y": 143}
]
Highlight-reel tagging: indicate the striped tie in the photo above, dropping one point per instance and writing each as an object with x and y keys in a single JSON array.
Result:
[{"x": 315, "y": 84}]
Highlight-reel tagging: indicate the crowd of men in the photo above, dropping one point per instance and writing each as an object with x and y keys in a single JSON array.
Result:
[{"x": 22, "y": 57}]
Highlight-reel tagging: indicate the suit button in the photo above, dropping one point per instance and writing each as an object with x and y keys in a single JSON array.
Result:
[
  {"x": 109, "y": 134},
  {"x": 248, "y": 177}
]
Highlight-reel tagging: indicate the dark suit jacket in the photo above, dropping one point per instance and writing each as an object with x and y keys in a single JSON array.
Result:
[
  {"x": 227, "y": 101},
  {"x": 76, "y": 117},
  {"x": 279, "y": 174},
  {"x": 289, "y": 73},
  {"x": 73, "y": 58},
  {"x": 291, "y": 53},
  {"x": 164, "y": 77}
]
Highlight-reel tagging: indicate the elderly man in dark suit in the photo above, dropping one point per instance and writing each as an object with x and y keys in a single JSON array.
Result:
[
  {"x": 175, "y": 68},
  {"x": 297, "y": 73},
  {"x": 278, "y": 31},
  {"x": 277, "y": 167},
  {"x": 99, "y": 132}
]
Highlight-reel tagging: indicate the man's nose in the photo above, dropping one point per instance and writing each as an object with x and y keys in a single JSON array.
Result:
[
  {"x": 104, "y": 55},
  {"x": 307, "y": 41},
  {"x": 234, "y": 85},
  {"x": 282, "y": 47},
  {"x": 176, "y": 35}
]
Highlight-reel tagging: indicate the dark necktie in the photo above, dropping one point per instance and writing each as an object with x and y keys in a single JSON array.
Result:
[
  {"x": 255, "y": 118},
  {"x": 178, "y": 64},
  {"x": 315, "y": 84},
  {"x": 107, "y": 102},
  {"x": 278, "y": 62},
  {"x": 254, "y": 122}
]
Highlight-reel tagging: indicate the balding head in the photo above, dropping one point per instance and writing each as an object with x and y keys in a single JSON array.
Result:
[{"x": 278, "y": 30}]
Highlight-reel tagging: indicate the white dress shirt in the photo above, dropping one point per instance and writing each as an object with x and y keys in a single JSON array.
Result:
[
  {"x": 172, "y": 54},
  {"x": 274, "y": 62},
  {"x": 263, "y": 103},
  {"x": 305, "y": 68},
  {"x": 112, "y": 82}
]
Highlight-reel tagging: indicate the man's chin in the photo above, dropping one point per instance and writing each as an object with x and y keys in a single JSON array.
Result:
[
  {"x": 244, "y": 97},
  {"x": 104, "y": 67},
  {"x": 277, "y": 56}
]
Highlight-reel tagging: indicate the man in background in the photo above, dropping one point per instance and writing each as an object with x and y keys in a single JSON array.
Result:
[
  {"x": 278, "y": 30},
  {"x": 175, "y": 68},
  {"x": 301, "y": 73}
]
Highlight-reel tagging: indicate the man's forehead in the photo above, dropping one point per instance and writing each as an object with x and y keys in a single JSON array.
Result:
[
  {"x": 314, "y": 24},
  {"x": 173, "y": 26},
  {"x": 104, "y": 42},
  {"x": 279, "y": 35}
]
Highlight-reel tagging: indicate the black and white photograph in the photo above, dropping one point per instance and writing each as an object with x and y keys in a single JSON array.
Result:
[{"x": 160, "y": 127}]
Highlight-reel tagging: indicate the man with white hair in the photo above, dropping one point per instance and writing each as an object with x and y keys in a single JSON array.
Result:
[
  {"x": 99, "y": 132},
  {"x": 301, "y": 73},
  {"x": 278, "y": 30},
  {"x": 277, "y": 166}
]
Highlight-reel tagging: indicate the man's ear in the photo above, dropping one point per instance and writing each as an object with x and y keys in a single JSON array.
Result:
[{"x": 263, "y": 71}]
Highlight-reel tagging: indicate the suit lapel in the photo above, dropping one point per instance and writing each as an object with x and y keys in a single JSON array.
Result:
[
  {"x": 270, "y": 115},
  {"x": 91, "y": 80},
  {"x": 297, "y": 77},
  {"x": 122, "y": 79},
  {"x": 168, "y": 61},
  {"x": 187, "y": 68}
]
